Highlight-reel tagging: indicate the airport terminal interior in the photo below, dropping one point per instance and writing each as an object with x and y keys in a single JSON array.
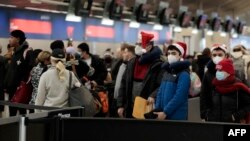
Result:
[{"x": 100, "y": 70}]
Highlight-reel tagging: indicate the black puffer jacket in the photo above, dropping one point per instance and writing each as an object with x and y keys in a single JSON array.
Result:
[
  {"x": 100, "y": 70},
  {"x": 206, "y": 90},
  {"x": 20, "y": 68},
  {"x": 225, "y": 105}
]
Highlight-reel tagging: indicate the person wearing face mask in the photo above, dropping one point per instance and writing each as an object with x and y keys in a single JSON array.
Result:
[
  {"x": 230, "y": 99},
  {"x": 96, "y": 72},
  {"x": 142, "y": 75},
  {"x": 172, "y": 97},
  {"x": 218, "y": 53},
  {"x": 240, "y": 60}
]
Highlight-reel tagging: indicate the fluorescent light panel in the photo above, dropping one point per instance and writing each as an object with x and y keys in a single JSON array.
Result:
[
  {"x": 210, "y": 33},
  {"x": 108, "y": 22},
  {"x": 8, "y": 5},
  {"x": 195, "y": 31},
  {"x": 223, "y": 34},
  {"x": 177, "y": 29},
  {"x": 158, "y": 27},
  {"x": 134, "y": 24},
  {"x": 73, "y": 18},
  {"x": 235, "y": 35}
]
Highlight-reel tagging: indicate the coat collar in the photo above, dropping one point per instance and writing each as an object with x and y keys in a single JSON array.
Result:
[{"x": 176, "y": 67}]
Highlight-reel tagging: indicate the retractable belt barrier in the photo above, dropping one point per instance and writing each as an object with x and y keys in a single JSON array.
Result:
[{"x": 26, "y": 106}]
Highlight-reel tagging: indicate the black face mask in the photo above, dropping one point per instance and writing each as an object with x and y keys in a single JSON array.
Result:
[{"x": 108, "y": 60}]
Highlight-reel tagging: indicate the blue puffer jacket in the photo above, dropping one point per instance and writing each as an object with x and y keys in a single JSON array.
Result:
[{"x": 172, "y": 97}]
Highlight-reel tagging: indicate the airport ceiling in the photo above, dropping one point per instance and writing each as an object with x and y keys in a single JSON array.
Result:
[{"x": 233, "y": 8}]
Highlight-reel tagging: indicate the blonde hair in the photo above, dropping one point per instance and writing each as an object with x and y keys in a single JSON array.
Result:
[
  {"x": 43, "y": 56},
  {"x": 59, "y": 66}
]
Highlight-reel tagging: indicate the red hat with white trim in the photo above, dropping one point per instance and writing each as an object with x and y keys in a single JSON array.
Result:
[
  {"x": 146, "y": 38},
  {"x": 182, "y": 47},
  {"x": 221, "y": 46}
]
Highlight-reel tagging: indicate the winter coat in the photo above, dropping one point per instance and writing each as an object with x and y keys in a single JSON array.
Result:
[
  {"x": 118, "y": 79},
  {"x": 115, "y": 68},
  {"x": 100, "y": 70},
  {"x": 225, "y": 105},
  {"x": 206, "y": 90},
  {"x": 172, "y": 97},
  {"x": 19, "y": 70},
  {"x": 241, "y": 68},
  {"x": 82, "y": 68},
  {"x": 202, "y": 62},
  {"x": 150, "y": 83},
  {"x": 36, "y": 73},
  {"x": 52, "y": 91}
]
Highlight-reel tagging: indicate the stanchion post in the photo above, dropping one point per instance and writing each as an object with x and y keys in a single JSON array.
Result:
[{"x": 22, "y": 129}]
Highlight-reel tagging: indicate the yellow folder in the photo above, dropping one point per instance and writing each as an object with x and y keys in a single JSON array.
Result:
[{"x": 141, "y": 107}]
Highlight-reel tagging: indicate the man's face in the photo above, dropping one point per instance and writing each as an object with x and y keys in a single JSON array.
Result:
[
  {"x": 174, "y": 53},
  {"x": 218, "y": 53},
  {"x": 173, "y": 56},
  {"x": 126, "y": 55},
  {"x": 119, "y": 53},
  {"x": 13, "y": 41},
  {"x": 82, "y": 53}
]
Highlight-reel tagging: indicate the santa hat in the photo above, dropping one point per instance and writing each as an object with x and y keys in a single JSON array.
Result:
[
  {"x": 146, "y": 38},
  {"x": 226, "y": 65},
  {"x": 182, "y": 47},
  {"x": 221, "y": 46}
]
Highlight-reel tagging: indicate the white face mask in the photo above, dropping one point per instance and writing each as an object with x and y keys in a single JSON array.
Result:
[
  {"x": 172, "y": 59},
  {"x": 139, "y": 50},
  {"x": 217, "y": 59},
  {"x": 237, "y": 54}
]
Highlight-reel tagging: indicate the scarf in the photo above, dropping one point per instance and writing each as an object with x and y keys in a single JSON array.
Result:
[
  {"x": 176, "y": 67},
  {"x": 229, "y": 85}
]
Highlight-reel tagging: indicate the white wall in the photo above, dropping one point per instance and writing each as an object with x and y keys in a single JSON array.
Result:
[
  {"x": 195, "y": 39},
  {"x": 95, "y": 47},
  {"x": 218, "y": 39}
]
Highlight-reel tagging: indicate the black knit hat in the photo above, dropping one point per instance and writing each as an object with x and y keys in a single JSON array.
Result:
[
  {"x": 58, "y": 53},
  {"x": 18, "y": 34},
  {"x": 57, "y": 44}
]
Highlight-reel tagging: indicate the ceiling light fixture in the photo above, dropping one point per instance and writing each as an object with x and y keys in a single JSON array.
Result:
[{"x": 108, "y": 22}]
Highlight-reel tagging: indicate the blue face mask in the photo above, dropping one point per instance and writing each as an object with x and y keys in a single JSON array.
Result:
[{"x": 220, "y": 75}]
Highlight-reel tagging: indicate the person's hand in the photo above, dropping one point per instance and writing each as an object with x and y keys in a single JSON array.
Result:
[
  {"x": 151, "y": 100},
  {"x": 120, "y": 112},
  {"x": 161, "y": 115}
]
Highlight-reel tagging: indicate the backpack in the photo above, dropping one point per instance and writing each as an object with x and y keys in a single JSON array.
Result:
[{"x": 195, "y": 86}]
